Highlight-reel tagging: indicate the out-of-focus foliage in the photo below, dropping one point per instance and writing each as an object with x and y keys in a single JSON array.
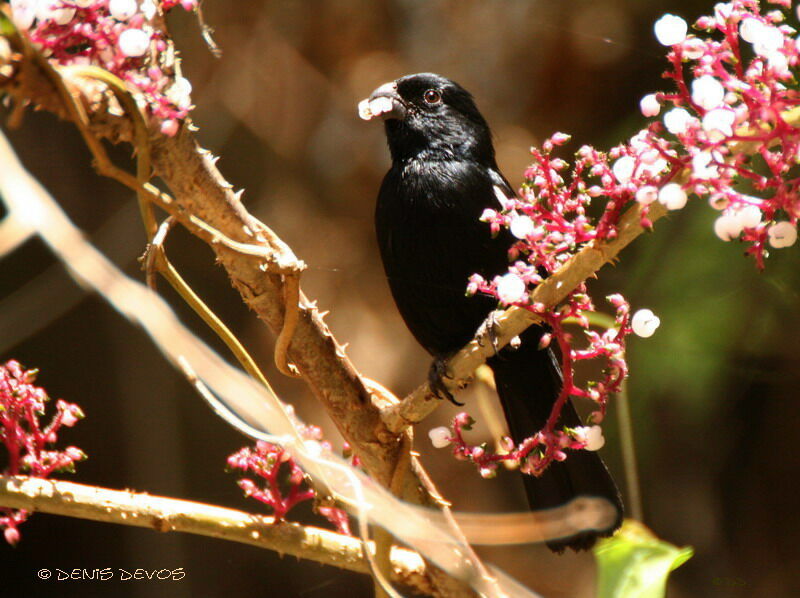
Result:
[{"x": 634, "y": 563}]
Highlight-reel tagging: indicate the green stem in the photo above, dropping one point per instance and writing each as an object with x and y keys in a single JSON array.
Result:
[{"x": 625, "y": 422}]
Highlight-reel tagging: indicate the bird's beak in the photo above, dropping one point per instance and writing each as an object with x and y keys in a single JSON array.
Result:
[{"x": 384, "y": 103}]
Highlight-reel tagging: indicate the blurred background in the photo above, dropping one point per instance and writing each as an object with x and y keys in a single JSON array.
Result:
[{"x": 714, "y": 393}]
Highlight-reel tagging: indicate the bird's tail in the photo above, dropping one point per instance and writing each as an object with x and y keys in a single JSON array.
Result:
[{"x": 528, "y": 381}]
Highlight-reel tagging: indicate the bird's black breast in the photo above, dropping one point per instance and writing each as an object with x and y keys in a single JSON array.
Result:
[{"x": 431, "y": 240}]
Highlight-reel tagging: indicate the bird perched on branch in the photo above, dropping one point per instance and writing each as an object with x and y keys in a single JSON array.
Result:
[{"x": 431, "y": 239}]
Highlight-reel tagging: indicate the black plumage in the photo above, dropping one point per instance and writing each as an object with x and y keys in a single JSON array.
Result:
[{"x": 431, "y": 239}]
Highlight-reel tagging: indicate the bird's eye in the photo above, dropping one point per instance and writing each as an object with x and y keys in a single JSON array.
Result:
[{"x": 432, "y": 96}]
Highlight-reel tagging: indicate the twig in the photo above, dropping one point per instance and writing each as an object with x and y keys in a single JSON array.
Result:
[
  {"x": 486, "y": 391},
  {"x": 14, "y": 120},
  {"x": 155, "y": 259},
  {"x": 290, "y": 268},
  {"x": 155, "y": 251},
  {"x": 172, "y": 515},
  {"x": 291, "y": 298},
  {"x": 156, "y": 255},
  {"x": 207, "y": 32}
]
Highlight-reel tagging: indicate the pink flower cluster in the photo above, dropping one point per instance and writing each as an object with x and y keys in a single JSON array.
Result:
[
  {"x": 283, "y": 482},
  {"x": 730, "y": 136},
  {"x": 551, "y": 222},
  {"x": 26, "y": 439},
  {"x": 117, "y": 35},
  {"x": 535, "y": 453},
  {"x": 731, "y": 123}
]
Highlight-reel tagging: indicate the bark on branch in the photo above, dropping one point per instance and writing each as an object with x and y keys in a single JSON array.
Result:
[{"x": 171, "y": 515}]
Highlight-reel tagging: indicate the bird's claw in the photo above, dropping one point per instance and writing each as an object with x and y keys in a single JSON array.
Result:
[
  {"x": 488, "y": 329},
  {"x": 436, "y": 375}
]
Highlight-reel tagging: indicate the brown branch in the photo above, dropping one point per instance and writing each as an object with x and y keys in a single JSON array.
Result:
[
  {"x": 172, "y": 515},
  {"x": 202, "y": 195},
  {"x": 200, "y": 192}
]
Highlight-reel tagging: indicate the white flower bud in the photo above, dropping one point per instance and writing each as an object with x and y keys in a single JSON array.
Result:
[
  {"x": 779, "y": 64},
  {"x": 702, "y": 168},
  {"x": 707, "y": 92},
  {"x": 644, "y": 323},
  {"x": 718, "y": 201},
  {"x": 782, "y": 234},
  {"x": 122, "y": 10},
  {"x": 522, "y": 227},
  {"x": 594, "y": 438},
  {"x": 649, "y": 105},
  {"x": 647, "y": 195},
  {"x": 134, "y": 42},
  {"x": 750, "y": 28},
  {"x": 723, "y": 11},
  {"x": 23, "y": 12},
  {"x": 179, "y": 92},
  {"x": 511, "y": 288},
  {"x": 749, "y": 216},
  {"x": 677, "y": 120},
  {"x": 727, "y": 227},
  {"x": 380, "y": 105},
  {"x": 718, "y": 123},
  {"x": 53, "y": 10},
  {"x": 623, "y": 168},
  {"x": 440, "y": 437},
  {"x": 768, "y": 40},
  {"x": 670, "y": 30},
  {"x": 694, "y": 48},
  {"x": 363, "y": 109},
  {"x": 148, "y": 9},
  {"x": 652, "y": 163},
  {"x": 591, "y": 436},
  {"x": 672, "y": 196}
]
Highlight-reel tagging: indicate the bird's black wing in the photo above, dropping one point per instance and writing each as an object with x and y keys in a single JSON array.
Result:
[{"x": 432, "y": 240}]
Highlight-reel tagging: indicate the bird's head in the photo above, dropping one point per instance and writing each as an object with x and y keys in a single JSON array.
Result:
[{"x": 427, "y": 115}]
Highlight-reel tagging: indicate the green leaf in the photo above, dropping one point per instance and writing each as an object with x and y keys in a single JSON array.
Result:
[{"x": 635, "y": 563}]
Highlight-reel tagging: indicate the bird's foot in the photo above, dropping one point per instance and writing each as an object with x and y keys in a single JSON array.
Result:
[
  {"x": 488, "y": 330},
  {"x": 436, "y": 375}
]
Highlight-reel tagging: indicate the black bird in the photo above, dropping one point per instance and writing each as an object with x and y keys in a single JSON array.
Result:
[{"x": 431, "y": 240}]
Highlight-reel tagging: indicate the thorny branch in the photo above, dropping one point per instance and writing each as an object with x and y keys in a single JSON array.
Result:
[{"x": 259, "y": 264}]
